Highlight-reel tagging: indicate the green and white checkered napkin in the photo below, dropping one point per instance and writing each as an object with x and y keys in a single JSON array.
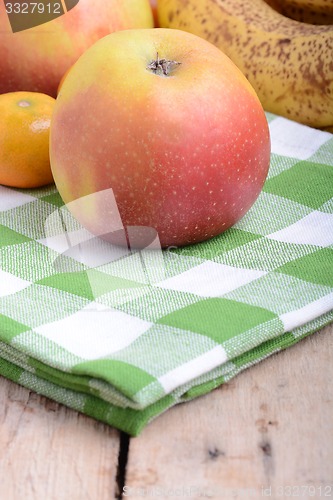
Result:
[{"x": 126, "y": 339}]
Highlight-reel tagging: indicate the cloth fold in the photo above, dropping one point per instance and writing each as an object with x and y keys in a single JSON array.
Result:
[{"x": 124, "y": 335}]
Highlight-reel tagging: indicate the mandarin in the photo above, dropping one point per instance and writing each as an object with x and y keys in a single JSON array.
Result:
[{"x": 24, "y": 139}]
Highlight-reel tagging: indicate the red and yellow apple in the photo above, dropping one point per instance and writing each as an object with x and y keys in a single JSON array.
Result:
[
  {"x": 36, "y": 59},
  {"x": 168, "y": 122}
]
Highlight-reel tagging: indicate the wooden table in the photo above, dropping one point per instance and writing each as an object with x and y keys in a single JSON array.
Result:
[{"x": 268, "y": 429}]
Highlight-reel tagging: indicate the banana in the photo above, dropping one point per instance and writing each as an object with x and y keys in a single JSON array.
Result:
[
  {"x": 306, "y": 11},
  {"x": 289, "y": 64},
  {"x": 328, "y": 129}
]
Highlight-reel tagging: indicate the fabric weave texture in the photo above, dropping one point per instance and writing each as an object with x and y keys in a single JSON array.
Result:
[{"x": 123, "y": 339}]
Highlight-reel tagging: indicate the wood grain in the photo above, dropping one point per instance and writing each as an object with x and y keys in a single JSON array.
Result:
[
  {"x": 51, "y": 452},
  {"x": 270, "y": 427}
]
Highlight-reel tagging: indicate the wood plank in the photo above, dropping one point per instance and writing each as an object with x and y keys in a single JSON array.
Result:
[
  {"x": 269, "y": 427},
  {"x": 49, "y": 451}
]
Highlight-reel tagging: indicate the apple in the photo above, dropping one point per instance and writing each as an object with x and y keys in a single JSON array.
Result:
[
  {"x": 35, "y": 59},
  {"x": 153, "y": 4},
  {"x": 168, "y": 123}
]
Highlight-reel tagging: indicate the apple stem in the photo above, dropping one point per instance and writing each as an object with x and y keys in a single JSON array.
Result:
[{"x": 162, "y": 66}]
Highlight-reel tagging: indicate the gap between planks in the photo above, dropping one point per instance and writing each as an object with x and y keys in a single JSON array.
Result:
[
  {"x": 51, "y": 452},
  {"x": 269, "y": 428}
]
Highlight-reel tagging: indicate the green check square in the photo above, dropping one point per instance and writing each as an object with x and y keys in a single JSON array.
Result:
[
  {"x": 9, "y": 328},
  {"x": 316, "y": 267},
  {"x": 279, "y": 164},
  {"x": 218, "y": 319},
  {"x": 11, "y": 371},
  {"x": 89, "y": 283},
  {"x": 307, "y": 183},
  {"x": 125, "y": 377},
  {"x": 232, "y": 238},
  {"x": 10, "y": 237},
  {"x": 75, "y": 283},
  {"x": 54, "y": 199}
]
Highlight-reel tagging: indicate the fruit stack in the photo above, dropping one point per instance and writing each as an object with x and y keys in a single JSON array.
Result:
[
  {"x": 161, "y": 138},
  {"x": 160, "y": 117},
  {"x": 33, "y": 61}
]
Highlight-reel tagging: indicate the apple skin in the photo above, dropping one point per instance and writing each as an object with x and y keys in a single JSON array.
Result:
[
  {"x": 153, "y": 4},
  {"x": 36, "y": 59},
  {"x": 186, "y": 154}
]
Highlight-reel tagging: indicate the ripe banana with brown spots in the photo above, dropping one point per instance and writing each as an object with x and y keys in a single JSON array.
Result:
[
  {"x": 306, "y": 11},
  {"x": 289, "y": 64}
]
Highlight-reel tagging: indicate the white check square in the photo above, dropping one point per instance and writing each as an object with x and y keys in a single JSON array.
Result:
[
  {"x": 193, "y": 369},
  {"x": 211, "y": 279},
  {"x": 11, "y": 199},
  {"x": 295, "y": 140},
  {"x": 307, "y": 313},
  {"x": 93, "y": 333},
  {"x": 314, "y": 229},
  {"x": 10, "y": 284}
]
